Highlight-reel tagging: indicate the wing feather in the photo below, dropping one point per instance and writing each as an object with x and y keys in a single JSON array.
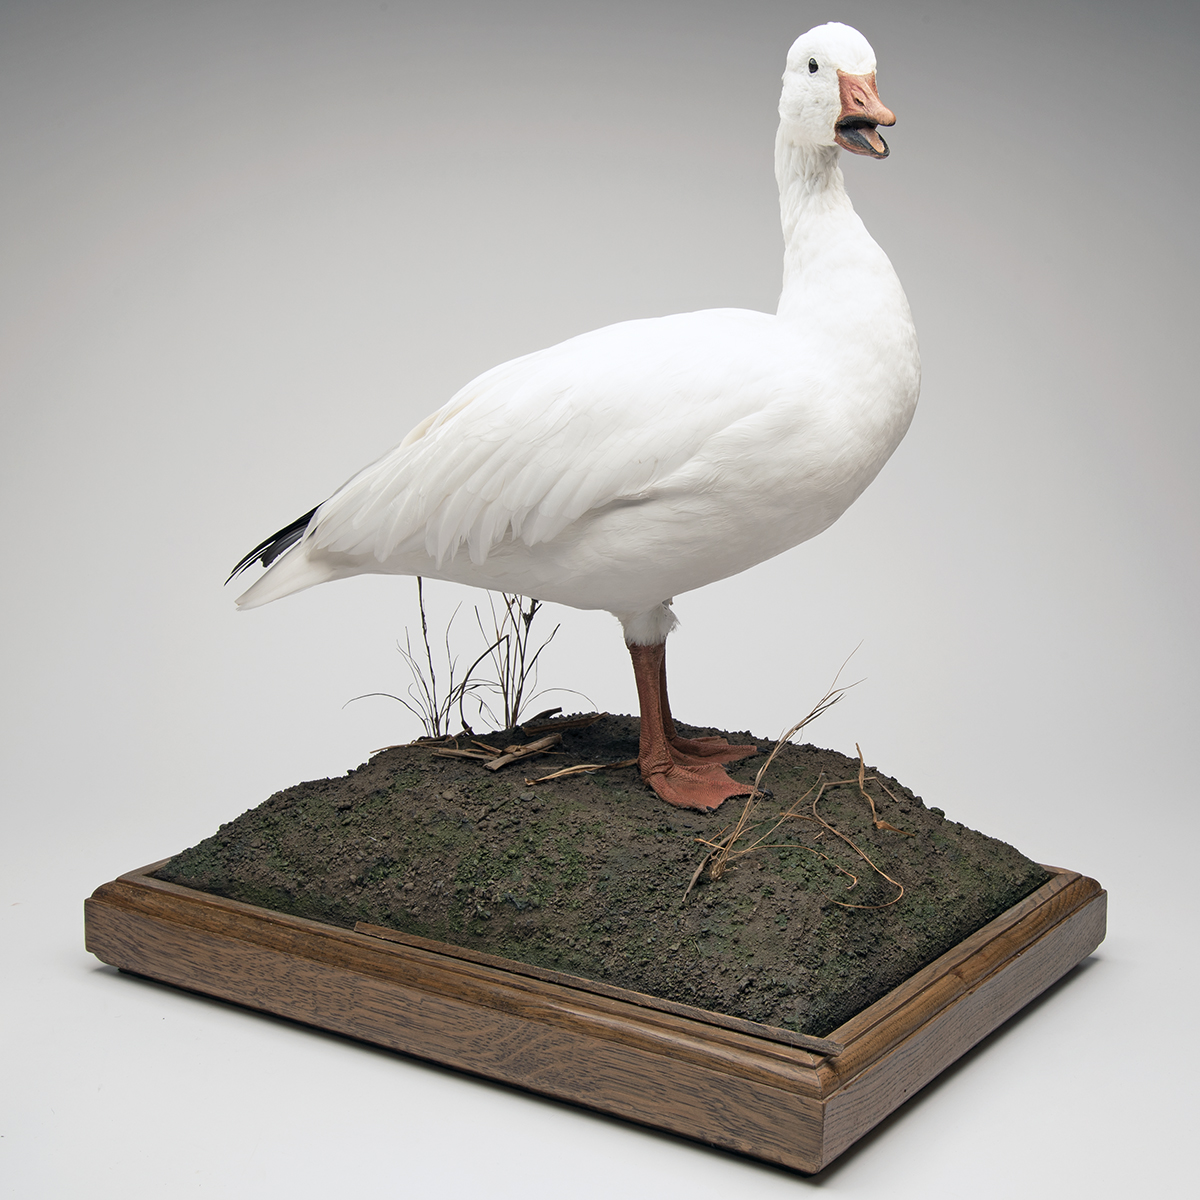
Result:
[{"x": 531, "y": 446}]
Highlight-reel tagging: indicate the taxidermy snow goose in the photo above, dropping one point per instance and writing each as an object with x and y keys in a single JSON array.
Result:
[{"x": 627, "y": 465}]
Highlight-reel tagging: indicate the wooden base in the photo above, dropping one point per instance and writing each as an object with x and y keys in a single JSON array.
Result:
[{"x": 766, "y": 1092}]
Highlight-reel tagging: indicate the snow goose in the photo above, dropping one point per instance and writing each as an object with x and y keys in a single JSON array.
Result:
[{"x": 627, "y": 465}]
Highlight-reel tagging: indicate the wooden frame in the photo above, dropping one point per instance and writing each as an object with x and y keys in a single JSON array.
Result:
[{"x": 790, "y": 1100}]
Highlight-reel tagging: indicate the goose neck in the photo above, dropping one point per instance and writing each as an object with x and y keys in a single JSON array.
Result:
[{"x": 815, "y": 211}]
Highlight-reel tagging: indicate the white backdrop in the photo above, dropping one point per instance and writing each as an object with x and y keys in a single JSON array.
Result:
[{"x": 248, "y": 245}]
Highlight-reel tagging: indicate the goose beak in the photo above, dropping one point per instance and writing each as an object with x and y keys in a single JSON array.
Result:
[{"x": 861, "y": 111}]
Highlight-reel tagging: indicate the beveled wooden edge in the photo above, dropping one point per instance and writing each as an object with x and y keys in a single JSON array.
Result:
[
  {"x": 941, "y": 981},
  {"x": 714, "y": 1047},
  {"x": 903, "y": 1060},
  {"x": 873, "y": 1032},
  {"x": 825, "y": 1047},
  {"x": 658, "y": 1064},
  {"x": 812, "y": 1050},
  {"x": 838, "y": 1059}
]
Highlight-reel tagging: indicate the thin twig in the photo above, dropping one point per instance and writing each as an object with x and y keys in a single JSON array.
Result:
[
  {"x": 534, "y": 726},
  {"x": 515, "y": 670},
  {"x": 583, "y": 769},
  {"x": 517, "y": 752},
  {"x": 856, "y": 849},
  {"x": 862, "y": 780},
  {"x": 724, "y": 846},
  {"x": 832, "y": 695},
  {"x": 424, "y": 699}
]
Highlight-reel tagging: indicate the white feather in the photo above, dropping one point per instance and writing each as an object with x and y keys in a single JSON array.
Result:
[{"x": 624, "y": 466}]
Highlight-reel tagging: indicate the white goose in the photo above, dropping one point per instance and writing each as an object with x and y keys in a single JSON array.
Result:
[{"x": 625, "y": 466}]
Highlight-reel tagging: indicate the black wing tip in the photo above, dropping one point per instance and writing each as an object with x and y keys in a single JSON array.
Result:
[{"x": 269, "y": 550}]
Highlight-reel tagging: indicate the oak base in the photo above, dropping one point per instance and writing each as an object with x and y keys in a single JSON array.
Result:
[{"x": 766, "y": 1092}]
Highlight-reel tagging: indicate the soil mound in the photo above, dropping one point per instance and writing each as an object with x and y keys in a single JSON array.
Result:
[{"x": 586, "y": 873}]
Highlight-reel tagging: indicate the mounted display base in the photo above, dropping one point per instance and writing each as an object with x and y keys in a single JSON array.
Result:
[{"x": 776, "y": 1095}]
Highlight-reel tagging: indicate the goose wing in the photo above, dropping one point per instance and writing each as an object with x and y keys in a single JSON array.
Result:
[{"x": 528, "y": 448}]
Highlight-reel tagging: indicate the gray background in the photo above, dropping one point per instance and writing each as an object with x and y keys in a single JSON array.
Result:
[{"x": 247, "y": 245}]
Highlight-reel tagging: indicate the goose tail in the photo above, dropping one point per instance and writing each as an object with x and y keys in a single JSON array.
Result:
[{"x": 287, "y": 573}]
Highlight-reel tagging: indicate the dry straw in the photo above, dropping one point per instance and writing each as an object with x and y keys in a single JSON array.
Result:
[{"x": 743, "y": 838}]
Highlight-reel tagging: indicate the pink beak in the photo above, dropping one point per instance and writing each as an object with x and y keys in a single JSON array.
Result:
[{"x": 862, "y": 111}]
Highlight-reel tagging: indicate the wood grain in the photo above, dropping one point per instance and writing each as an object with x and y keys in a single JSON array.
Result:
[
  {"x": 765, "y": 1092},
  {"x": 825, "y": 1046}
]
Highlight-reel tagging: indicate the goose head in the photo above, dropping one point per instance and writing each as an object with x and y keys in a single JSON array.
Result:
[{"x": 829, "y": 97}]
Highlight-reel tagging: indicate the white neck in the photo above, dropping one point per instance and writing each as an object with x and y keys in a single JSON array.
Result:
[{"x": 818, "y": 218}]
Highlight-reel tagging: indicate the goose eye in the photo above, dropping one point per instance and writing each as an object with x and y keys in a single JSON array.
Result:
[{"x": 812, "y": 66}]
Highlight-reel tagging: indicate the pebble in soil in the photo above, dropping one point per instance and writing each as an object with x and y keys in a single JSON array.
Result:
[{"x": 587, "y": 874}]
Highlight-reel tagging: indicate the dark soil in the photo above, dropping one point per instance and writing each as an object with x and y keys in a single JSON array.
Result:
[{"x": 587, "y": 874}]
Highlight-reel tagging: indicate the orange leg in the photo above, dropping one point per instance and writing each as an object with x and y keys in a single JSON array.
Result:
[
  {"x": 682, "y": 778},
  {"x": 694, "y": 750}
]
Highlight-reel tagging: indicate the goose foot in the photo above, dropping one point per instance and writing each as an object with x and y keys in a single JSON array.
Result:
[
  {"x": 685, "y": 772},
  {"x": 707, "y": 750},
  {"x": 699, "y": 788}
]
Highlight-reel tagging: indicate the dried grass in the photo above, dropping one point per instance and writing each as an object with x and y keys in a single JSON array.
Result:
[
  {"x": 583, "y": 769},
  {"x": 743, "y": 837},
  {"x": 435, "y": 691}
]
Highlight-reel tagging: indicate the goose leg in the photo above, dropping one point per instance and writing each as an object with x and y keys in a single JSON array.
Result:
[
  {"x": 692, "y": 784},
  {"x": 694, "y": 750}
]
